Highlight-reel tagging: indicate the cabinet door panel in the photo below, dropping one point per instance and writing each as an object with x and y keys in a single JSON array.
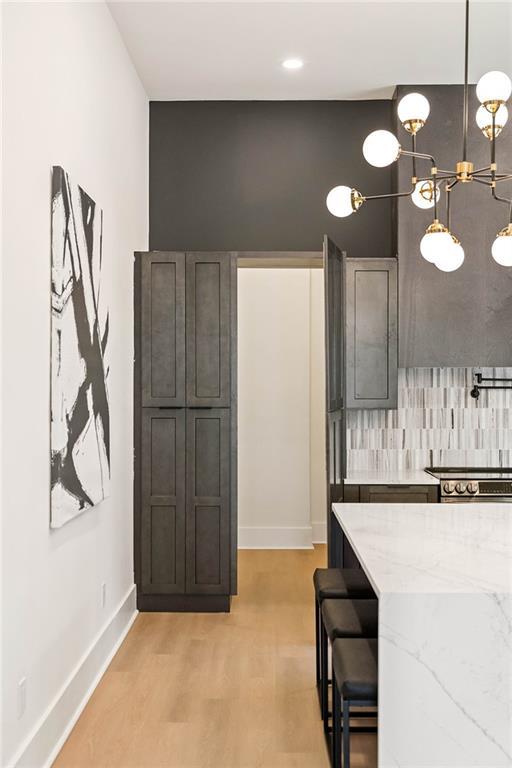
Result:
[
  {"x": 208, "y": 510},
  {"x": 208, "y": 329},
  {"x": 163, "y": 501},
  {"x": 333, "y": 292},
  {"x": 163, "y": 329},
  {"x": 371, "y": 311}
]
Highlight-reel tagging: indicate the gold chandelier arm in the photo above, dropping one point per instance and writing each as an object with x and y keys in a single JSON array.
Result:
[
  {"x": 499, "y": 199},
  {"x": 482, "y": 181},
  {"x": 498, "y": 177},
  {"x": 387, "y": 196},
  {"x": 480, "y": 171},
  {"x": 418, "y": 155}
]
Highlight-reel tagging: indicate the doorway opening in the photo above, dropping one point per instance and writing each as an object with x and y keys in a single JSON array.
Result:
[{"x": 281, "y": 401}]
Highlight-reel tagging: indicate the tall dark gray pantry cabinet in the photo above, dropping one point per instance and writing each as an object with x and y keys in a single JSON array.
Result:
[{"x": 185, "y": 431}]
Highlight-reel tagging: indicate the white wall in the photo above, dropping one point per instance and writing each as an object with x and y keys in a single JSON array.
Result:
[
  {"x": 71, "y": 98},
  {"x": 281, "y": 480}
]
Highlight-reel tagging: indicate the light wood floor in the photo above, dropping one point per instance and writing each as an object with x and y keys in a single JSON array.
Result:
[{"x": 217, "y": 690}]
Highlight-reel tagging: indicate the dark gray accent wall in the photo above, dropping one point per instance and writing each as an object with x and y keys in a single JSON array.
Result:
[
  {"x": 254, "y": 175},
  {"x": 461, "y": 318}
]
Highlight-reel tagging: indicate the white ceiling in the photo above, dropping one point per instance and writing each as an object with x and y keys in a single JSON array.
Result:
[{"x": 352, "y": 50}]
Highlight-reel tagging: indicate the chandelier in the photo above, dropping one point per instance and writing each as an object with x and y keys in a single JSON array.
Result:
[{"x": 381, "y": 148}]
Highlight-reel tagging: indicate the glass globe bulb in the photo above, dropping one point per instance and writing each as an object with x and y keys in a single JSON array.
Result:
[
  {"x": 502, "y": 247},
  {"x": 452, "y": 258},
  {"x": 434, "y": 244},
  {"x": 493, "y": 86},
  {"x": 484, "y": 120},
  {"x": 423, "y": 194},
  {"x": 339, "y": 201},
  {"x": 381, "y": 148},
  {"x": 413, "y": 107}
]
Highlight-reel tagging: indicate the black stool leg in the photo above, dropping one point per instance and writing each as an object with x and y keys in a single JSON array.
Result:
[
  {"x": 324, "y": 656},
  {"x": 336, "y": 726},
  {"x": 346, "y": 734}
]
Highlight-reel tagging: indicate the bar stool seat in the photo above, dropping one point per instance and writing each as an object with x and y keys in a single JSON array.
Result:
[
  {"x": 354, "y": 664},
  {"x": 350, "y": 618},
  {"x": 340, "y": 583},
  {"x": 355, "y": 684}
]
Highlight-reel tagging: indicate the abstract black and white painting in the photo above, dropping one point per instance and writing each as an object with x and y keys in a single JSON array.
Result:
[{"x": 80, "y": 434}]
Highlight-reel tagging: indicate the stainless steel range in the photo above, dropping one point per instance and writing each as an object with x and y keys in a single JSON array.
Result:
[{"x": 473, "y": 483}]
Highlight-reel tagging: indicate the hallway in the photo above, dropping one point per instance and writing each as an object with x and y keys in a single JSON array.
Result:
[{"x": 217, "y": 690}]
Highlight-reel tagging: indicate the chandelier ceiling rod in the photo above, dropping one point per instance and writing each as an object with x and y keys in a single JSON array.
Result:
[{"x": 466, "y": 89}]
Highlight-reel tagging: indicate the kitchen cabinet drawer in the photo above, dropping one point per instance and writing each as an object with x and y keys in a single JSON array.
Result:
[{"x": 400, "y": 494}]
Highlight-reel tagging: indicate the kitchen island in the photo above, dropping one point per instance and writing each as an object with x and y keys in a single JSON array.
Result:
[{"x": 443, "y": 577}]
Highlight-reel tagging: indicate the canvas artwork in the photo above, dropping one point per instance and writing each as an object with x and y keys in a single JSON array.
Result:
[{"x": 80, "y": 435}]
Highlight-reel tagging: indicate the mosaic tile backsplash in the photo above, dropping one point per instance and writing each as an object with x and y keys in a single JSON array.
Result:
[{"x": 437, "y": 423}]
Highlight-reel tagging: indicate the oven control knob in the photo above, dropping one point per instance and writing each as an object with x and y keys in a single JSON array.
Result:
[
  {"x": 460, "y": 487},
  {"x": 472, "y": 487},
  {"x": 448, "y": 487}
]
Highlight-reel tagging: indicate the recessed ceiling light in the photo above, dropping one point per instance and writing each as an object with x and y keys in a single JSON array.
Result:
[{"x": 293, "y": 63}]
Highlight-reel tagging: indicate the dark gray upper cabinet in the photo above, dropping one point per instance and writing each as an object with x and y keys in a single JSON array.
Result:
[
  {"x": 333, "y": 291},
  {"x": 208, "y": 329},
  {"x": 208, "y": 513},
  {"x": 371, "y": 333},
  {"x": 163, "y": 501},
  {"x": 163, "y": 329},
  {"x": 460, "y": 318}
]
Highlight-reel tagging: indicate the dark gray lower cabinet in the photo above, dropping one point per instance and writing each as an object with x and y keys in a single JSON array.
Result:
[
  {"x": 400, "y": 494},
  {"x": 208, "y": 528}
]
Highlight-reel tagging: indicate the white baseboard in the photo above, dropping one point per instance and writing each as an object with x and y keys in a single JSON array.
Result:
[
  {"x": 319, "y": 534},
  {"x": 274, "y": 537},
  {"x": 46, "y": 739}
]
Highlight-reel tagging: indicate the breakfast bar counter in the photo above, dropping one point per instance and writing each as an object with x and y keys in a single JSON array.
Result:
[{"x": 443, "y": 577}]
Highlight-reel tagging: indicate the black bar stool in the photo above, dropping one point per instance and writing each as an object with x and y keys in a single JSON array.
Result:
[
  {"x": 355, "y": 663},
  {"x": 336, "y": 583},
  {"x": 343, "y": 619}
]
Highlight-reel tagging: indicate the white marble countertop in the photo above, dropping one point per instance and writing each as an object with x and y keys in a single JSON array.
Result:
[
  {"x": 434, "y": 548},
  {"x": 443, "y": 576},
  {"x": 390, "y": 477}
]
